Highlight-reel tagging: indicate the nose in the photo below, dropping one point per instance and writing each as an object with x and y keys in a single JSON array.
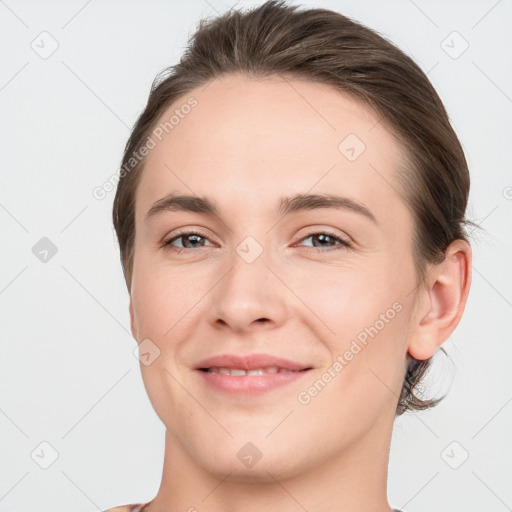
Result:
[{"x": 250, "y": 296}]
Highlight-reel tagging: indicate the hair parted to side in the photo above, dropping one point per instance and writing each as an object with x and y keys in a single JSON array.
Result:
[{"x": 324, "y": 46}]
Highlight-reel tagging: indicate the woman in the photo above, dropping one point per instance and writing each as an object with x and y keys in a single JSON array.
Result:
[{"x": 290, "y": 215}]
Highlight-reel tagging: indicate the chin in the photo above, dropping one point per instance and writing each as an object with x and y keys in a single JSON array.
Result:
[
  {"x": 263, "y": 472},
  {"x": 249, "y": 462}
]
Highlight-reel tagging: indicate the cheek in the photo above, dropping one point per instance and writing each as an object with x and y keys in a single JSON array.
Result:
[
  {"x": 165, "y": 303},
  {"x": 161, "y": 297},
  {"x": 364, "y": 325},
  {"x": 368, "y": 370},
  {"x": 160, "y": 307},
  {"x": 348, "y": 297}
]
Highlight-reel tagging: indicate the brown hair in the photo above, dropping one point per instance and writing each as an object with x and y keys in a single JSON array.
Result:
[{"x": 324, "y": 46}]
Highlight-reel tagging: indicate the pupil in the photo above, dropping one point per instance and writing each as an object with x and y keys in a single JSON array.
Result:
[
  {"x": 323, "y": 237},
  {"x": 192, "y": 237}
]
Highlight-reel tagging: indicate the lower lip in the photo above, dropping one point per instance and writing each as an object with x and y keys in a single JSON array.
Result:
[{"x": 249, "y": 385}]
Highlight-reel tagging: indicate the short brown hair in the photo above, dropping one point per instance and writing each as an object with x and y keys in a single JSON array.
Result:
[{"x": 324, "y": 46}]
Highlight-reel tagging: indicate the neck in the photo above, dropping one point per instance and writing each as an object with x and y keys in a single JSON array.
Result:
[{"x": 355, "y": 479}]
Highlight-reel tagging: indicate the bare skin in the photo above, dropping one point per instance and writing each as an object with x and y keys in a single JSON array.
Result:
[{"x": 246, "y": 144}]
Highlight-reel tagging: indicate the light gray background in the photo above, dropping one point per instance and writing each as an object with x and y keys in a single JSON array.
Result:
[{"x": 68, "y": 376}]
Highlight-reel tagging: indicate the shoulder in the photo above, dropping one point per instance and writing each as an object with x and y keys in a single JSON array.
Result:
[{"x": 136, "y": 507}]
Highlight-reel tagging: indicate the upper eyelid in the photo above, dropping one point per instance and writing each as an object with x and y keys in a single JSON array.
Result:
[{"x": 167, "y": 240}]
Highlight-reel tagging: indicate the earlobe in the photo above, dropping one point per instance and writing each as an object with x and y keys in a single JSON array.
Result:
[{"x": 444, "y": 298}]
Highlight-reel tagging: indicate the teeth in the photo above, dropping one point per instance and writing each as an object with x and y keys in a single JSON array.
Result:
[{"x": 257, "y": 371}]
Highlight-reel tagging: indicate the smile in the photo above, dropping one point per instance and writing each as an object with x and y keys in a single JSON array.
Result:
[{"x": 240, "y": 372}]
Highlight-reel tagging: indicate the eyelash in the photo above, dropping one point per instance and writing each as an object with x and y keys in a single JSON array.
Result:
[{"x": 344, "y": 244}]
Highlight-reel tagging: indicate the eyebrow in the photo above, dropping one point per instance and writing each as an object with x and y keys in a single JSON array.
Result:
[{"x": 286, "y": 205}]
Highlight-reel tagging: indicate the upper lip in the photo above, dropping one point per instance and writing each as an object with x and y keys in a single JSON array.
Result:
[{"x": 250, "y": 362}]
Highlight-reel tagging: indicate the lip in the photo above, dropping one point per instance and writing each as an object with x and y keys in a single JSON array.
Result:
[
  {"x": 251, "y": 362},
  {"x": 249, "y": 385}
]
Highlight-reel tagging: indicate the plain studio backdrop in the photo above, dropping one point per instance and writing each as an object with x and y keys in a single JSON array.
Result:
[{"x": 77, "y": 429}]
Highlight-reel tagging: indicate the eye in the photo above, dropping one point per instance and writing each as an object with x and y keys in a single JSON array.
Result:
[
  {"x": 194, "y": 241},
  {"x": 190, "y": 240},
  {"x": 328, "y": 241}
]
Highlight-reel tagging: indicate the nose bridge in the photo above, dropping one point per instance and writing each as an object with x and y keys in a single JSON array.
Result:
[{"x": 249, "y": 292}]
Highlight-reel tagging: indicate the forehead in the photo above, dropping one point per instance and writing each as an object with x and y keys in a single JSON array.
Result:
[{"x": 248, "y": 141}]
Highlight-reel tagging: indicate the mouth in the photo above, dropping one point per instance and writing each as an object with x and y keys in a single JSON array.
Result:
[
  {"x": 240, "y": 372},
  {"x": 250, "y": 364},
  {"x": 250, "y": 375}
]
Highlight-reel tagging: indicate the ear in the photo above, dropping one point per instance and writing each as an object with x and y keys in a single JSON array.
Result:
[
  {"x": 132, "y": 321},
  {"x": 441, "y": 301}
]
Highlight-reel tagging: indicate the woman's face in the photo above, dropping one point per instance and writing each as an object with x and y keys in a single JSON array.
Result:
[{"x": 259, "y": 277}]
